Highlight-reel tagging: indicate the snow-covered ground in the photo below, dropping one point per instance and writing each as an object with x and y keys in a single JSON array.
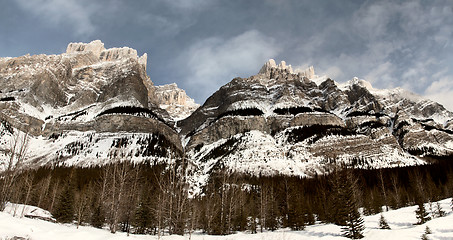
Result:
[{"x": 401, "y": 222}]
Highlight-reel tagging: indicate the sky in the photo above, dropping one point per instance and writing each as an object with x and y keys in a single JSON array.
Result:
[{"x": 203, "y": 44}]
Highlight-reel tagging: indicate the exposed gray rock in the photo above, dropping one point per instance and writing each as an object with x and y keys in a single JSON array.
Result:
[
  {"x": 175, "y": 101},
  {"x": 87, "y": 89},
  {"x": 284, "y": 117},
  {"x": 89, "y": 104}
]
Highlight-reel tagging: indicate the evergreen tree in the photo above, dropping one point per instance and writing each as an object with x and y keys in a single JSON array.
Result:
[
  {"x": 439, "y": 212},
  {"x": 293, "y": 206},
  {"x": 339, "y": 211},
  {"x": 309, "y": 217},
  {"x": 424, "y": 237},
  {"x": 143, "y": 218},
  {"x": 240, "y": 218},
  {"x": 421, "y": 213},
  {"x": 354, "y": 221},
  {"x": 425, "y": 234},
  {"x": 383, "y": 223},
  {"x": 272, "y": 214},
  {"x": 97, "y": 218},
  {"x": 64, "y": 211},
  {"x": 296, "y": 217}
]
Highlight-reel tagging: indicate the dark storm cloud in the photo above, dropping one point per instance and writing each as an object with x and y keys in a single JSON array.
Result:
[{"x": 203, "y": 44}]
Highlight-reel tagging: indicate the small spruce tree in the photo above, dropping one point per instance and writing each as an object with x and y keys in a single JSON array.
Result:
[
  {"x": 424, "y": 237},
  {"x": 383, "y": 223},
  {"x": 421, "y": 213},
  {"x": 439, "y": 212},
  {"x": 425, "y": 234}
]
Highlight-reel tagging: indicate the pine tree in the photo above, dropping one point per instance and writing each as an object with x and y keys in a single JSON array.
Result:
[
  {"x": 97, "y": 218},
  {"x": 309, "y": 217},
  {"x": 354, "y": 222},
  {"x": 339, "y": 211},
  {"x": 439, "y": 212},
  {"x": 421, "y": 213},
  {"x": 424, "y": 237},
  {"x": 295, "y": 206},
  {"x": 383, "y": 223},
  {"x": 143, "y": 217},
  {"x": 425, "y": 234},
  {"x": 295, "y": 217},
  {"x": 64, "y": 211}
]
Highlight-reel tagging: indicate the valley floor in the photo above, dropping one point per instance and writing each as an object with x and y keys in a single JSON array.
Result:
[{"x": 401, "y": 222}]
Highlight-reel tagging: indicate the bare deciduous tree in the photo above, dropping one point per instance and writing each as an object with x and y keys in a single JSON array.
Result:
[
  {"x": 82, "y": 199},
  {"x": 15, "y": 157}
]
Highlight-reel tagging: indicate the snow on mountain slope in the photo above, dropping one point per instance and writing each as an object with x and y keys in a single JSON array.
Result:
[
  {"x": 282, "y": 122},
  {"x": 401, "y": 222},
  {"x": 84, "y": 106},
  {"x": 401, "y": 99},
  {"x": 75, "y": 105},
  {"x": 91, "y": 148}
]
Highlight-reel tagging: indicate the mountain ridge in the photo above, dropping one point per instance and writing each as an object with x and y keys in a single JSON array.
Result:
[
  {"x": 281, "y": 122},
  {"x": 89, "y": 105}
]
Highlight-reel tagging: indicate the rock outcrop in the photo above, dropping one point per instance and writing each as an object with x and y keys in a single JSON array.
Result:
[
  {"x": 112, "y": 54},
  {"x": 175, "y": 101},
  {"x": 271, "y": 66},
  {"x": 87, "y": 91}
]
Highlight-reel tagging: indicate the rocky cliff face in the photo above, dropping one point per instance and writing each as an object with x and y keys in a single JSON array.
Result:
[
  {"x": 93, "y": 105},
  {"x": 294, "y": 122},
  {"x": 83, "y": 97},
  {"x": 175, "y": 101}
]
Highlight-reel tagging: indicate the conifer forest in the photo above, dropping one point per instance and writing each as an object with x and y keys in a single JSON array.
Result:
[{"x": 155, "y": 199}]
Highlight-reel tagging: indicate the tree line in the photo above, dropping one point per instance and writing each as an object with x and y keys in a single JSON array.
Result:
[{"x": 156, "y": 199}]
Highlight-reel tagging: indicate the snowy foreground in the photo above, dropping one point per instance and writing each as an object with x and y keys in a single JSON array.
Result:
[{"x": 401, "y": 221}]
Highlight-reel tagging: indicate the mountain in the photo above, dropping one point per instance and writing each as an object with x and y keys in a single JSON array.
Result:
[
  {"x": 91, "y": 105},
  {"x": 80, "y": 106},
  {"x": 282, "y": 121},
  {"x": 175, "y": 101}
]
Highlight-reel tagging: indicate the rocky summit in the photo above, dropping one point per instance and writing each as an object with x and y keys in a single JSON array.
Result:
[
  {"x": 91, "y": 105},
  {"x": 175, "y": 101},
  {"x": 81, "y": 106}
]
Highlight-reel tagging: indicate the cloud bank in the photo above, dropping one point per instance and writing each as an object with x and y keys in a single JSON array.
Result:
[
  {"x": 74, "y": 13},
  {"x": 214, "y": 61},
  {"x": 203, "y": 44}
]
